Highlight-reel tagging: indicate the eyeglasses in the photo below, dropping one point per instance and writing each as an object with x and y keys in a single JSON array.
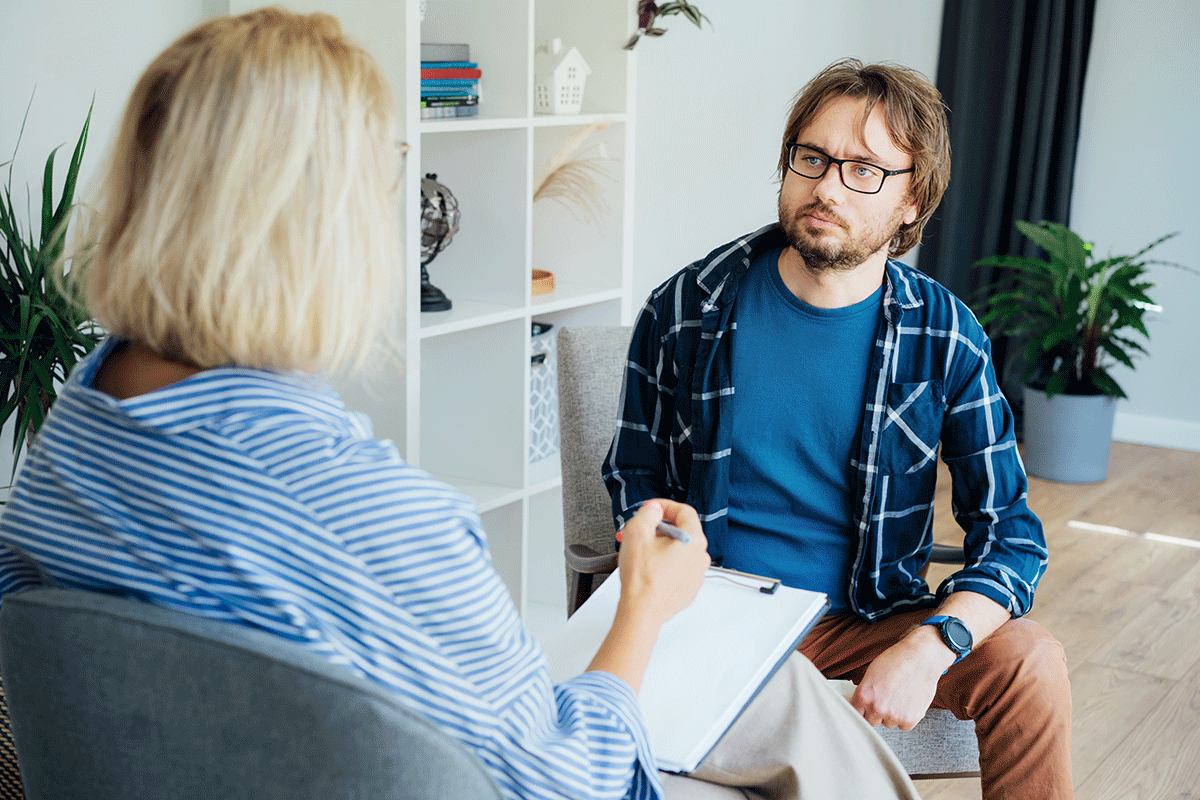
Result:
[{"x": 862, "y": 177}]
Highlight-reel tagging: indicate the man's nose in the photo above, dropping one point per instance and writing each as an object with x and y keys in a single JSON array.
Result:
[{"x": 829, "y": 186}]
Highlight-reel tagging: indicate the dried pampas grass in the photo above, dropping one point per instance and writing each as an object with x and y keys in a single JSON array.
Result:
[{"x": 574, "y": 180}]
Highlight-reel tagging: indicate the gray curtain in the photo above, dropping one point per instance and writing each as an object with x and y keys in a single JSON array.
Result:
[{"x": 1011, "y": 73}]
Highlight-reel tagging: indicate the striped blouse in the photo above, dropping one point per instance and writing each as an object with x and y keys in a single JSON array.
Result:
[{"x": 256, "y": 498}]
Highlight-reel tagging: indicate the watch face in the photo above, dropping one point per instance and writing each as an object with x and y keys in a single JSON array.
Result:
[{"x": 958, "y": 634}]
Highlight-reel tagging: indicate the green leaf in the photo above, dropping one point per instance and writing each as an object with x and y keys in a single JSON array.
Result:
[
  {"x": 1059, "y": 241},
  {"x": 1153, "y": 245},
  {"x": 1059, "y": 380},
  {"x": 42, "y": 334},
  {"x": 693, "y": 13},
  {"x": 1105, "y": 383},
  {"x": 48, "y": 198},
  {"x": 1116, "y": 351},
  {"x": 68, "y": 194}
]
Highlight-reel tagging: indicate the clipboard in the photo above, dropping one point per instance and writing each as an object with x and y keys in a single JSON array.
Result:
[{"x": 711, "y": 659}]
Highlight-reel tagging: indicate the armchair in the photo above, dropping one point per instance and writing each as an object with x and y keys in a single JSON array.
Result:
[
  {"x": 112, "y": 697},
  {"x": 591, "y": 367}
]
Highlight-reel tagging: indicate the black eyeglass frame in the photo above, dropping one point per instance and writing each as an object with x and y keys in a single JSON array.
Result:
[{"x": 829, "y": 160}]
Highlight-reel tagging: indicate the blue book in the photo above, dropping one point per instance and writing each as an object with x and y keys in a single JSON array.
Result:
[
  {"x": 449, "y": 65},
  {"x": 448, "y": 92},
  {"x": 452, "y": 82}
]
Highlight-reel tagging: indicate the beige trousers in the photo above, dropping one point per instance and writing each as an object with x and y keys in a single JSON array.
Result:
[{"x": 797, "y": 740}]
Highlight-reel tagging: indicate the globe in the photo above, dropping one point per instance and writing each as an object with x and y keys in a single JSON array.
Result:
[{"x": 439, "y": 223}]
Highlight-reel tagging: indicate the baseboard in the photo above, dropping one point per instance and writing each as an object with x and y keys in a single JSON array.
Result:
[{"x": 1157, "y": 431}]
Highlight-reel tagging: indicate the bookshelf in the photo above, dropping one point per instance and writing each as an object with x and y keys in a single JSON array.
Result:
[{"x": 459, "y": 406}]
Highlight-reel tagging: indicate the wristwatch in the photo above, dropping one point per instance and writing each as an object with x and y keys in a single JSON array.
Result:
[{"x": 955, "y": 634}]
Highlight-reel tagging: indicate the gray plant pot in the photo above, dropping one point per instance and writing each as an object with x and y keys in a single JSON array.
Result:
[{"x": 1068, "y": 437}]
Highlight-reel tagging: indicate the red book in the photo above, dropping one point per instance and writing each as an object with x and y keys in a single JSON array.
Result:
[{"x": 461, "y": 72}]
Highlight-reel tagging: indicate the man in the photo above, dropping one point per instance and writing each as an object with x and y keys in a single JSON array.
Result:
[{"x": 794, "y": 387}]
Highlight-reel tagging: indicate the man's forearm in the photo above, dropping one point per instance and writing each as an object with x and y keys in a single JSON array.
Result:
[
  {"x": 980, "y": 614},
  {"x": 899, "y": 685}
]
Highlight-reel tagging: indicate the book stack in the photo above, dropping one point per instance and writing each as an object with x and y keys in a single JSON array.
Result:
[{"x": 449, "y": 81}]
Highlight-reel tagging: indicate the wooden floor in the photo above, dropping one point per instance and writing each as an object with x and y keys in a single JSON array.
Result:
[{"x": 1127, "y": 609}]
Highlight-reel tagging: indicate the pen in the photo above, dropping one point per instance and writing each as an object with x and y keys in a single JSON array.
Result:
[{"x": 678, "y": 534}]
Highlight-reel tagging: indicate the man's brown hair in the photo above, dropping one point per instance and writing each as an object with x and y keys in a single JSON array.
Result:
[{"x": 915, "y": 116}]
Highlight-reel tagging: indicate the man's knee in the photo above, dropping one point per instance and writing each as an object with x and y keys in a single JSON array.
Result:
[{"x": 1027, "y": 657}]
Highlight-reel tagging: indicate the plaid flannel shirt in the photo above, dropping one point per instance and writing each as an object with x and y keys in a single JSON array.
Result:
[{"x": 935, "y": 385}]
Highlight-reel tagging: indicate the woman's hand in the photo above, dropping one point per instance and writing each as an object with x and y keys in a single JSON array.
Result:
[
  {"x": 659, "y": 578},
  {"x": 659, "y": 575}
]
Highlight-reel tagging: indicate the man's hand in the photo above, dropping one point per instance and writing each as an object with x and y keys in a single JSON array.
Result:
[{"x": 898, "y": 687}]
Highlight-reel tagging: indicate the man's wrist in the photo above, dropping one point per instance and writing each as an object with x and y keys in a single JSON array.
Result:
[
  {"x": 933, "y": 650},
  {"x": 953, "y": 633}
]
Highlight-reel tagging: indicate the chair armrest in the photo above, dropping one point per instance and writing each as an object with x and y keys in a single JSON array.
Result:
[
  {"x": 587, "y": 561},
  {"x": 947, "y": 554}
]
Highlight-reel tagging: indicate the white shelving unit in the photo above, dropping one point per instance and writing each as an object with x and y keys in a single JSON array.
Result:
[{"x": 459, "y": 406}]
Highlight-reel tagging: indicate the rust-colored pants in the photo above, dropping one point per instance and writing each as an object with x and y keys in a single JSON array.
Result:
[{"x": 1014, "y": 685}]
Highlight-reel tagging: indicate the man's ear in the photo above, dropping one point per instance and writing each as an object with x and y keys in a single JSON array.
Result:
[{"x": 910, "y": 213}]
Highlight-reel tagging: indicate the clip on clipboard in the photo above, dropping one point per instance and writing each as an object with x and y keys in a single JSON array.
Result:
[{"x": 764, "y": 585}]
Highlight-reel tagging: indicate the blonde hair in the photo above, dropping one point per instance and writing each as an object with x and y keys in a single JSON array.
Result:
[
  {"x": 915, "y": 117},
  {"x": 247, "y": 214}
]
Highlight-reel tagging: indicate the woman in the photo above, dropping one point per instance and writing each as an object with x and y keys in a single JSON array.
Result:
[{"x": 245, "y": 243}]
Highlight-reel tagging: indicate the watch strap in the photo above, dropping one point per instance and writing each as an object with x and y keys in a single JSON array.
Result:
[{"x": 939, "y": 621}]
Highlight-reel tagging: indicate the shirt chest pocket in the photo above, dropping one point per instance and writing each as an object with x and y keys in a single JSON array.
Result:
[{"x": 911, "y": 427}]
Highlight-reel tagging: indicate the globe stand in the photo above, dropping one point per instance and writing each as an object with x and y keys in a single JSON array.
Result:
[
  {"x": 432, "y": 298},
  {"x": 439, "y": 223}
]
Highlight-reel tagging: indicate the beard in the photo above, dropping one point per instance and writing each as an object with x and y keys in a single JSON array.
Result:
[{"x": 822, "y": 252}]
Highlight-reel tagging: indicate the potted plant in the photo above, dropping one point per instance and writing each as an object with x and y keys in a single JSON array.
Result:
[
  {"x": 42, "y": 333},
  {"x": 1076, "y": 316}
]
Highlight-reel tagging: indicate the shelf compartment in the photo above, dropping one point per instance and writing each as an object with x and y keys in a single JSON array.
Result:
[
  {"x": 545, "y": 551},
  {"x": 599, "y": 31},
  {"x": 582, "y": 245},
  {"x": 473, "y": 406},
  {"x": 465, "y": 315},
  {"x": 568, "y": 295},
  {"x": 486, "y": 260},
  {"x": 498, "y": 34},
  {"x": 485, "y": 496},
  {"x": 567, "y": 120},
  {"x": 505, "y": 536}
]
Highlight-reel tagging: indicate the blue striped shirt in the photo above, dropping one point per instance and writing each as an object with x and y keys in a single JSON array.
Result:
[
  {"x": 931, "y": 387},
  {"x": 256, "y": 498}
]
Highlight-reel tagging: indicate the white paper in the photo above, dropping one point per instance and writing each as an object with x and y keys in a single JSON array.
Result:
[{"x": 709, "y": 662}]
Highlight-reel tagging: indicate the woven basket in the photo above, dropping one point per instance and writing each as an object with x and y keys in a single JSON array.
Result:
[{"x": 543, "y": 281}]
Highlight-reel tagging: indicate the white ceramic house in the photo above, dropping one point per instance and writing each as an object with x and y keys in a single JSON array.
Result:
[{"x": 559, "y": 82}]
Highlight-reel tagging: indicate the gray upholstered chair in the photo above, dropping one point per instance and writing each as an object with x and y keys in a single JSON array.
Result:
[
  {"x": 115, "y": 698},
  {"x": 591, "y": 366}
]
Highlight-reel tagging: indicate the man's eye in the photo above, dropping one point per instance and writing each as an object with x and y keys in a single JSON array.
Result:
[{"x": 866, "y": 171}]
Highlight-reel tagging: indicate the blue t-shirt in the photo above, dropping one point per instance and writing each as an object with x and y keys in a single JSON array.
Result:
[{"x": 801, "y": 375}]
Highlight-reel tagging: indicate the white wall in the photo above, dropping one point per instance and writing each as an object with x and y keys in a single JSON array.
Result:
[
  {"x": 711, "y": 105},
  {"x": 70, "y": 50},
  {"x": 1138, "y": 175},
  {"x": 710, "y": 110}
]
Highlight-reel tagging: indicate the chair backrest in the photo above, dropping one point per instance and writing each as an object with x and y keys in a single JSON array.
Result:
[
  {"x": 112, "y": 697},
  {"x": 591, "y": 367}
]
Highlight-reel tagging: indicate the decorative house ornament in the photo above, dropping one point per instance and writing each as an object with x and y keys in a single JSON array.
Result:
[
  {"x": 559, "y": 81},
  {"x": 439, "y": 223}
]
